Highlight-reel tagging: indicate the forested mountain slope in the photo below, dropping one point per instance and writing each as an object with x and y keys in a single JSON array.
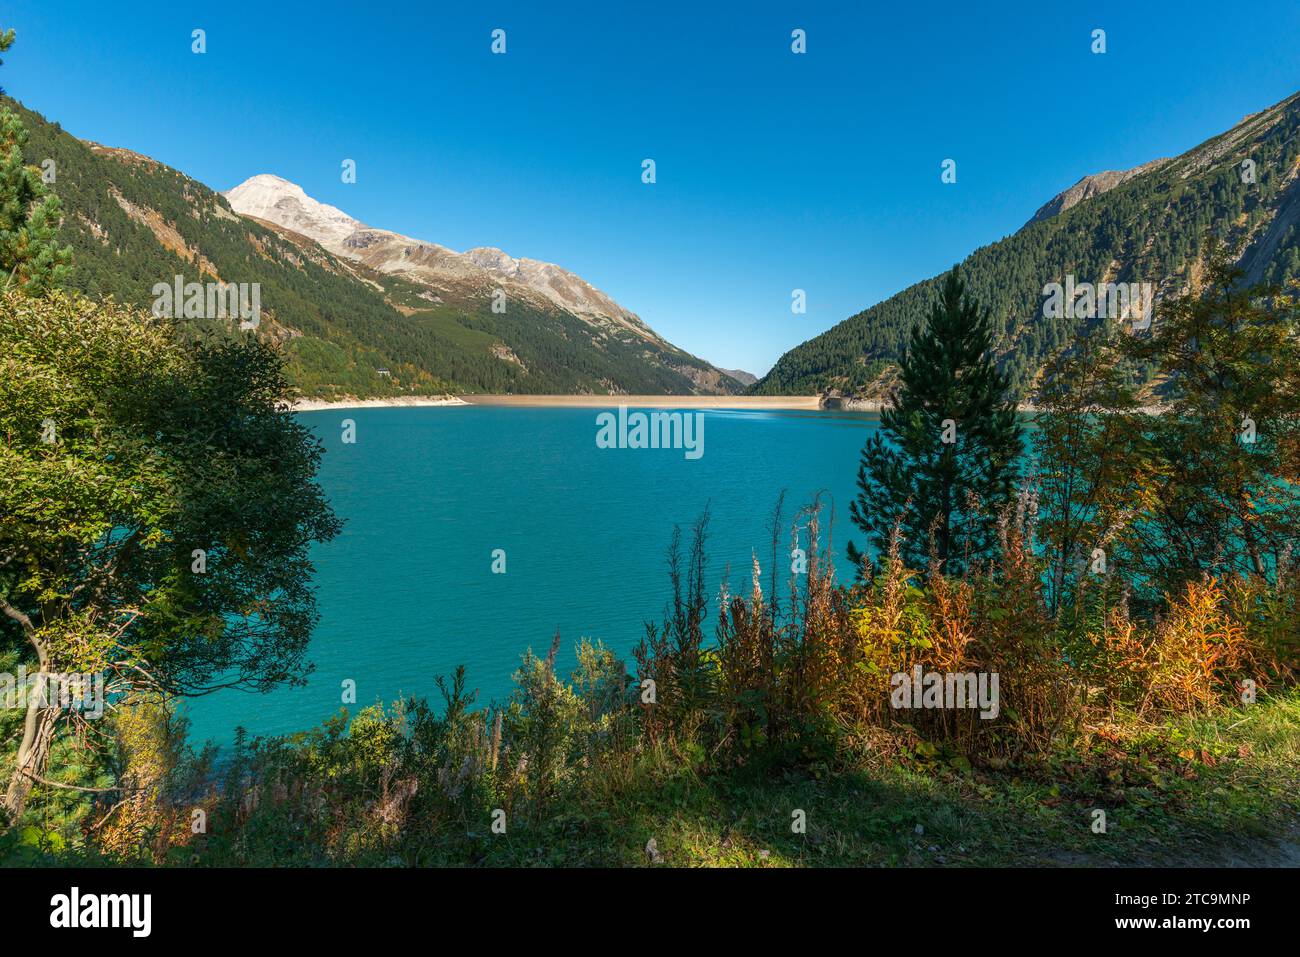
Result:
[
  {"x": 1148, "y": 227},
  {"x": 133, "y": 222}
]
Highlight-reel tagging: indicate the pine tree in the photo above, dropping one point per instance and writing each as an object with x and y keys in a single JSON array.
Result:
[
  {"x": 30, "y": 213},
  {"x": 944, "y": 459}
]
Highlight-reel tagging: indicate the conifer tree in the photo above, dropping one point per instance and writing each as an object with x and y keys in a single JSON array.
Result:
[
  {"x": 30, "y": 213},
  {"x": 944, "y": 459}
]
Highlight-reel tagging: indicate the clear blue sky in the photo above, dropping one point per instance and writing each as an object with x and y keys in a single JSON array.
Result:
[{"x": 775, "y": 171}]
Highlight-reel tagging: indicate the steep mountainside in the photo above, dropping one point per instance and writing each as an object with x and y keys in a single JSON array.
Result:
[
  {"x": 343, "y": 314},
  {"x": 1147, "y": 225}
]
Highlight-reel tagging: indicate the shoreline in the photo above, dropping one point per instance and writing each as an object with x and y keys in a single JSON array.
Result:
[
  {"x": 734, "y": 402},
  {"x": 397, "y": 402},
  {"x": 876, "y": 406},
  {"x": 739, "y": 403}
]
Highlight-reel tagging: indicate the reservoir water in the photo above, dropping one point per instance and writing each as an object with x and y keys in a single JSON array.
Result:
[{"x": 407, "y": 592}]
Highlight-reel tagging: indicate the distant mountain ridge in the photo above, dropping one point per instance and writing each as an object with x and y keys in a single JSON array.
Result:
[
  {"x": 357, "y": 311},
  {"x": 279, "y": 201},
  {"x": 1144, "y": 225},
  {"x": 741, "y": 376}
]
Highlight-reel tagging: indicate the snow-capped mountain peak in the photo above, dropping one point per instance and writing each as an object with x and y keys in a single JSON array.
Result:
[
  {"x": 279, "y": 201},
  {"x": 284, "y": 203}
]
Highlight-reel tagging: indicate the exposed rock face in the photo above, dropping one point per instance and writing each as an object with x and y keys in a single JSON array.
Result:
[
  {"x": 850, "y": 403},
  {"x": 164, "y": 232},
  {"x": 1090, "y": 186},
  {"x": 479, "y": 271}
]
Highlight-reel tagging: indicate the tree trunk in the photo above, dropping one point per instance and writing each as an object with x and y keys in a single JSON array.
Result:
[
  {"x": 38, "y": 728},
  {"x": 38, "y": 733}
]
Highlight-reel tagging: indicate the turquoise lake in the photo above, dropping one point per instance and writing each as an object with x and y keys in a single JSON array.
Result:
[{"x": 406, "y": 592}]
